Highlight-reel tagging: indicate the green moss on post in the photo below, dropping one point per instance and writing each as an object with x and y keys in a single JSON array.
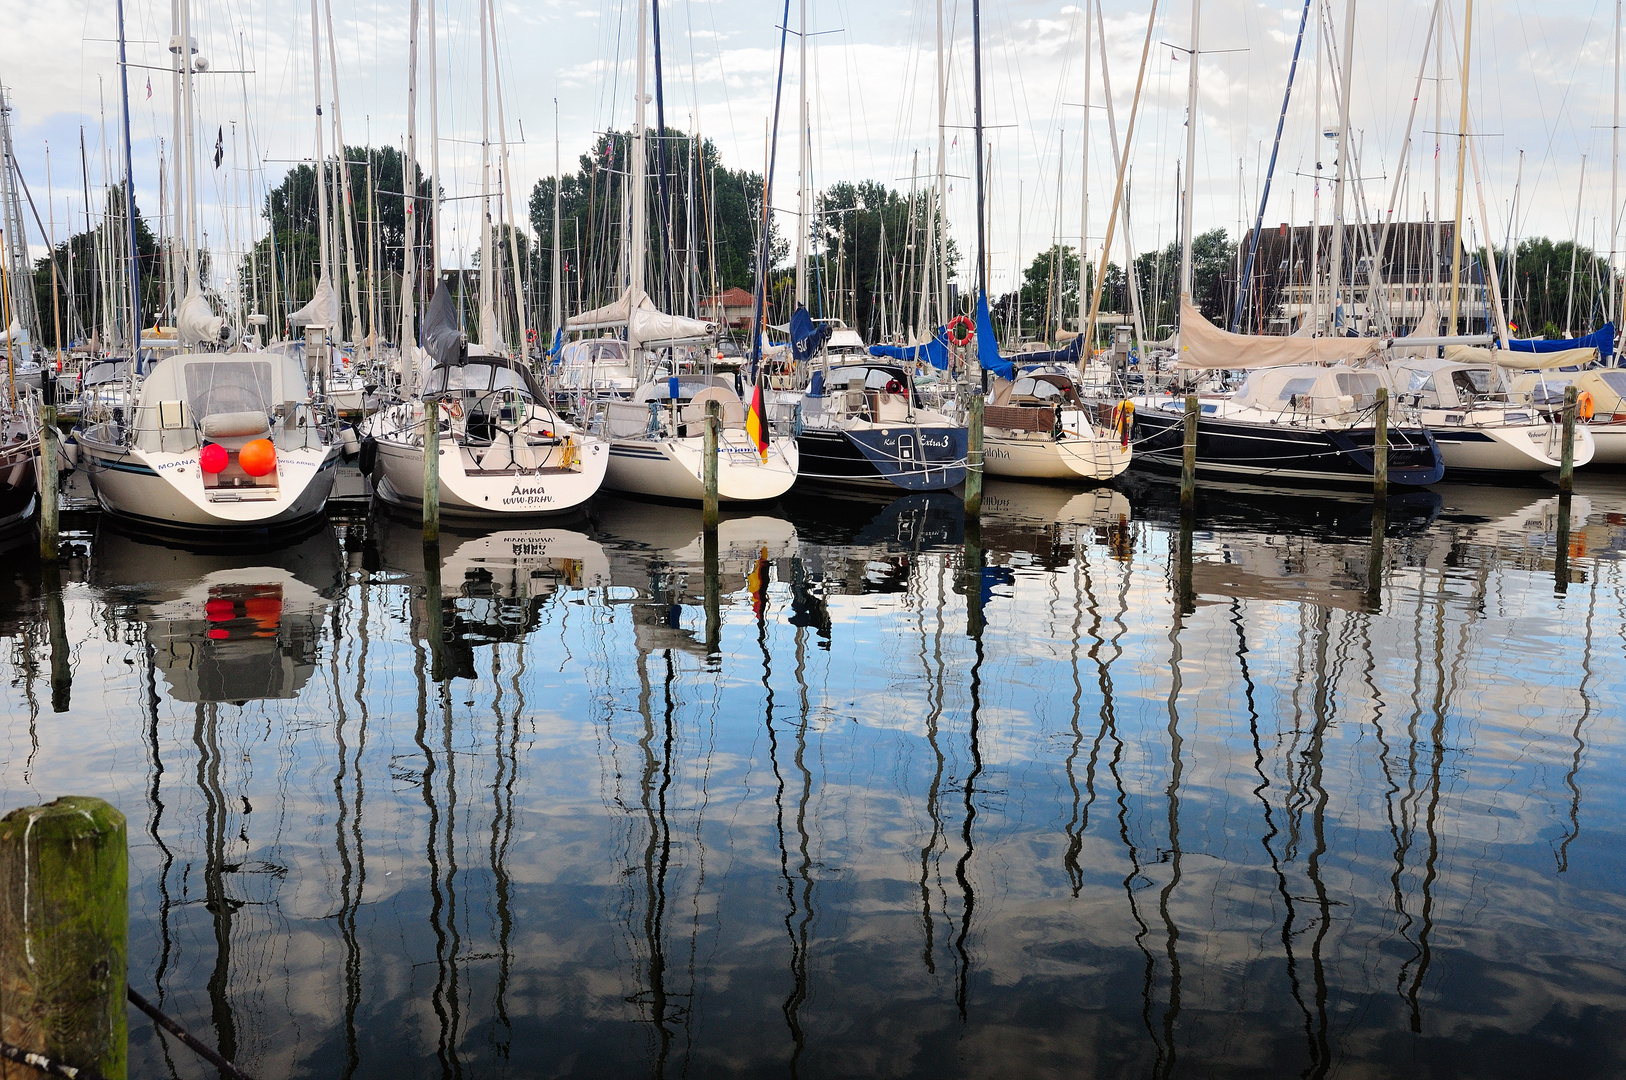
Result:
[{"x": 64, "y": 920}]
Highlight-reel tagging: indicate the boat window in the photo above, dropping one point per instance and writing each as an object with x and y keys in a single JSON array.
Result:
[
  {"x": 1359, "y": 384},
  {"x": 1421, "y": 382},
  {"x": 1294, "y": 387},
  {"x": 1470, "y": 381},
  {"x": 216, "y": 387},
  {"x": 874, "y": 378},
  {"x": 471, "y": 378},
  {"x": 1035, "y": 388},
  {"x": 506, "y": 378}
]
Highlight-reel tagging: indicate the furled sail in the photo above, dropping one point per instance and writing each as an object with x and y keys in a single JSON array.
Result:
[
  {"x": 1205, "y": 347},
  {"x": 1522, "y": 361},
  {"x": 1602, "y": 339},
  {"x": 197, "y": 323},
  {"x": 644, "y": 322},
  {"x": 322, "y": 310}
]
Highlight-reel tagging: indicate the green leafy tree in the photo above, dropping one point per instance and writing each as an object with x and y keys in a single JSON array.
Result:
[
  {"x": 861, "y": 266},
  {"x": 83, "y": 307}
]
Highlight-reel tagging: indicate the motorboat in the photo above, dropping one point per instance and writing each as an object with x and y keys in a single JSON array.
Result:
[
  {"x": 214, "y": 441},
  {"x": 1037, "y": 427},
  {"x": 1479, "y": 424}
]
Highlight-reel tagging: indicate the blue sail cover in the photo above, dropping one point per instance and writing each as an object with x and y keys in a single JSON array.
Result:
[
  {"x": 806, "y": 336},
  {"x": 1068, "y": 355},
  {"x": 934, "y": 352},
  {"x": 987, "y": 347},
  {"x": 1602, "y": 339}
]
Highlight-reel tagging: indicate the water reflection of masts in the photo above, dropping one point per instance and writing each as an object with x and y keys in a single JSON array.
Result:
[
  {"x": 1320, "y": 1049},
  {"x": 1580, "y": 723},
  {"x": 961, "y": 869},
  {"x": 799, "y": 915},
  {"x": 653, "y": 786},
  {"x": 937, "y": 685},
  {"x": 347, "y": 826},
  {"x": 1167, "y": 1054},
  {"x": 502, "y": 826},
  {"x": 442, "y": 897},
  {"x": 155, "y": 820},
  {"x": 206, "y": 737}
]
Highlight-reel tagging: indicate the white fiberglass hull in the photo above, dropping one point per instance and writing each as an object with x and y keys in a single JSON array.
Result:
[
  {"x": 1506, "y": 448},
  {"x": 1040, "y": 456},
  {"x": 672, "y": 468},
  {"x": 166, "y": 489},
  {"x": 472, "y": 493},
  {"x": 1609, "y": 443}
]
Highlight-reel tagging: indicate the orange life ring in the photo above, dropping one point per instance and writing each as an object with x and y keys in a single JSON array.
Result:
[
  {"x": 1584, "y": 406},
  {"x": 961, "y": 331}
]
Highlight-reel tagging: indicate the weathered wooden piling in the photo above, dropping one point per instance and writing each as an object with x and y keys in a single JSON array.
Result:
[
  {"x": 1375, "y": 555},
  {"x": 56, "y": 621},
  {"x": 714, "y": 592},
  {"x": 434, "y": 618},
  {"x": 49, "y": 516},
  {"x": 1188, "y": 464},
  {"x": 971, "y": 576},
  {"x": 973, "y": 460},
  {"x": 1561, "y": 553},
  {"x": 708, "y": 458},
  {"x": 431, "y": 473},
  {"x": 64, "y": 919},
  {"x": 1566, "y": 466},
  {"x": 1380, "y": 445},
  {"x": 1186, "y": 595}
]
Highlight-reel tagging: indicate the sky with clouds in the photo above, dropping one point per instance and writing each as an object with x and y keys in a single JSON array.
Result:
[{"x": 1540, "y": 87}]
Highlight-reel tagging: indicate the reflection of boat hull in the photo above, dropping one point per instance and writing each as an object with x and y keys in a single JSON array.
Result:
[
  {"x": 1285, "y": 452},
  {"x": 465, "y": 493},
  {"x": 901, "y": 457},
  {"x": 672, "y": 468},
  {"x": 165, "y": 490}
]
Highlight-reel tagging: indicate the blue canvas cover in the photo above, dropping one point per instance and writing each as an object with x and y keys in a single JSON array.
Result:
[
  {"x": 934, "y": 352},
  {"x": 806, "y": 336},
  {"x": 1602, "y": 339},
  {"x": 987, "y": 347}
]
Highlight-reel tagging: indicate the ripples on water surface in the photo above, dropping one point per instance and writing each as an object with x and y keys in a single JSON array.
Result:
[{"x": 1297, "y": 829}]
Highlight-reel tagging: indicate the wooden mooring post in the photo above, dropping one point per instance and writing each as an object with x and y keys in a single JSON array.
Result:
[
  {"x": 1188, "y": 462},
  {"x": 708, "y": 459},
  {"x": 1380, "y": 445},
  {"x": 1561, "y": 551},
  {"x": 50, "y": 520},
  {"x": 1566, "y": 464},
  {"x": 64, "y": 927},
  {"x": 973, "y": 460},
  {"x": 431, "y": 473}
]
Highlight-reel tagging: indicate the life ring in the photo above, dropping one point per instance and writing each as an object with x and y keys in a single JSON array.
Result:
[
  {"x": 1583, "y": 405},
  {"x": 454, "y": 408},
  {"x": 961, "y": 331},
  {"x": 893, "y": 386}
]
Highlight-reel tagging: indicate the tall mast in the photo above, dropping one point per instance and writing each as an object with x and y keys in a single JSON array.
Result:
[
  {"x": 941, "y": 222},
  {"x": 129, "y": 191},
  {"x": 434, "y": 152},
  {"x": 558, "y": 238},
  {"x": 181, "y": 48},
  {"x": 345, "y": 195},
  {"x": 802, "y": 156},
  {"x": 1191, "y": 155},
  {"x": 982, "y": 223},
  {"x": 1335, "y": 271},
  {"x": 1084, "y": 181},
  {"x": 321, "y": 160},
  {"x": 1462, "y": 160},
  {"x": 1614, "y": 172},
  {"x": 507, "y": 184},
  {"x": 488, "y": 314},
  {"x": 190, "y": 151},
  {"x": 635, "y": 192},
  {"x": 409, "y": 201}
]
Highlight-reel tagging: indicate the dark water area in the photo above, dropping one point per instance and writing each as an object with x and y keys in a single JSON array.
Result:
[{"x": 892, "y": 797}]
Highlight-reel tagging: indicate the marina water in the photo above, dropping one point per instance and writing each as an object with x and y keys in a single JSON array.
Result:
[{"x": 867, "y": 808}]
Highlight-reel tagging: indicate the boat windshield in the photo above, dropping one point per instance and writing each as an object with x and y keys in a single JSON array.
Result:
[
  {"x": 1615, "y": 380},
  {"x": 237, "y": 386},
  {"x": 475, "y": 379},
  {"x": 873, "y": 378}
]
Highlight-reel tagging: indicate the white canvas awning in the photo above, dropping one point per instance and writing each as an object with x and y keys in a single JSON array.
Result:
[
  {"x": 1205, "y": 347},
  {"x": 644, "y": 322},
  {"x": 1521, "y": 361}
]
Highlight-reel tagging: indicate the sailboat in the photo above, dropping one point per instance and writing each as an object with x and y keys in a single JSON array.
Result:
[
  {"x": 657, "y": 432},
  {"x": 502, "y": 450},
  {"x": 19, "y": 423},
  {"x": 217, "y": 439}
]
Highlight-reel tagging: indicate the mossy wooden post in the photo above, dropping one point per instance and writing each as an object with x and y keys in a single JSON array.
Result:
[
  {"x": 49, "y": 520},
  {"x": 64, "y": 918},
  {"x": 1566, "y": 466},
  {"x": 973, "y": 460},
  {"x": 431, "y": 472},
  {"x": 1188, "y": 462},
  {"x": 708, "y": 460},
  {"x": 1380, "y": 445}
]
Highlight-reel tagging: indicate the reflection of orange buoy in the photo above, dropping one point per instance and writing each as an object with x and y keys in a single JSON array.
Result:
[
  {"x": 258, "y": 457},
  {"x": 213, "y": 458}
]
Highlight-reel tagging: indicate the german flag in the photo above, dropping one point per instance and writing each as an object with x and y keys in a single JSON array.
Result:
[{"x": 756, "y": 423}]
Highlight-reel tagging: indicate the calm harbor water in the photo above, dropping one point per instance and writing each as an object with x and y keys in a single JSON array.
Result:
[{"x": 866, "y": 809}]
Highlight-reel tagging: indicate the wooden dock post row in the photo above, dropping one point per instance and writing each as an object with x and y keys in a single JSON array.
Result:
[
  {"x": 49, "y": 519},
  {"x": 708, "y": 458},
  {"x": 64, "y": 929},
  {"x": 1566, "y": 467},
  {"x": 1188, "y": 464}
]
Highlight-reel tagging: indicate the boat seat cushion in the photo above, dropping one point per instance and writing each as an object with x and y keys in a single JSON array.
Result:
[{"x": 234, "y": 425}]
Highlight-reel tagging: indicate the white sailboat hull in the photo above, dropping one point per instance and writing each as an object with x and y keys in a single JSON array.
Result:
[
  {"x": 672, "y": 468},
  {"x": 1535, "y": 447},
  {"x": 1040, "y": 456},
  {"x": 468, "y": 492}
]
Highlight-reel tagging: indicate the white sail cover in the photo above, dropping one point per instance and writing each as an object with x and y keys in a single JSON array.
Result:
[
  {"x": 323, "y": 310},
  {"x": 196, "y": 322},
  {"x": 1520, "y": 361},
  {"x": 14, "y": 332},
  {"x": 646, "y": 324},
  {"x": 1205, "y": 347}
]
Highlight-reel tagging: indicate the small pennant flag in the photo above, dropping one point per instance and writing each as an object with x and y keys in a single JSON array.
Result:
[
  {"x": 220, "y": 146},
  {"x": 756, "y": 424},
  {"x": 149, "y": 87}
]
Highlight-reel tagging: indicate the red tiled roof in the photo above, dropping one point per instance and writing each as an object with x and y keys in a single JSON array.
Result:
[{"x": 731, "y": 298}]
